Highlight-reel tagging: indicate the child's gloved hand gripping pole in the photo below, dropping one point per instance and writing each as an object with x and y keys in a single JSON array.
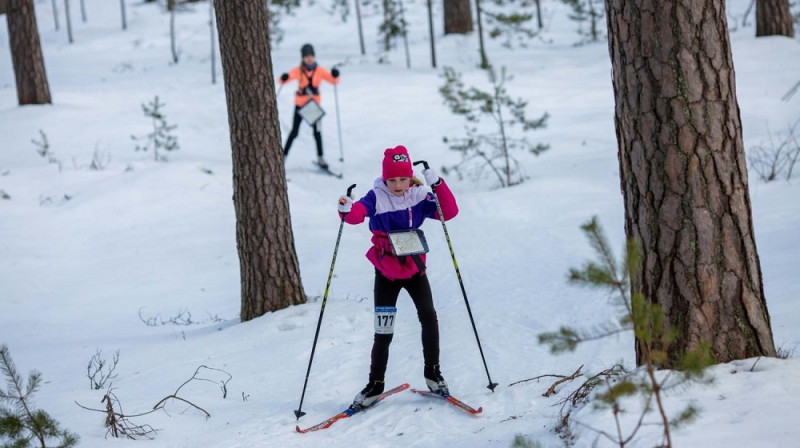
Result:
[
  {"x": 491, "y": 385},
  {"x": 299, "y": 413}
]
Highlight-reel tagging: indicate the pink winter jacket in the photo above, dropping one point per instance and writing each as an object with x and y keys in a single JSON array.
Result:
[{"x": 387, "y": 212}]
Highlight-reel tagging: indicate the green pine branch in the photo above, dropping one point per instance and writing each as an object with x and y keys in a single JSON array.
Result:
[
  {"x": 654, "y": 337},
  {"x": 21, "y": 424}
]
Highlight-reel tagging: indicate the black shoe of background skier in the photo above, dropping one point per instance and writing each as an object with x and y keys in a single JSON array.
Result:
[
  {"x": 435, "y": 381},
  {"x": 368, "y": 394},
  {"x": 322, "y": 163}
]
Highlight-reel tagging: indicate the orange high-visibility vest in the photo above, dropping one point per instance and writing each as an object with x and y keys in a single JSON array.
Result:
[{"x": 303, "y": 76}]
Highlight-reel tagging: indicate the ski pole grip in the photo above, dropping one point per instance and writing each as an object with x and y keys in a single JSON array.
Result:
[
  {"x": 350, "y": 190},
  {"x": 424, "y": 163}
]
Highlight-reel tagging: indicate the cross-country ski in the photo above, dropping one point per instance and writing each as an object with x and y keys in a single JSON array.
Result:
[
  {"x": 352, "y": 410},
  {"x": 327, "y": 170},
  {"x": 450, "y": 399}
]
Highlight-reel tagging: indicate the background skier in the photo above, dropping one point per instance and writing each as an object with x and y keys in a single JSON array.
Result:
[{"x": 309, "y": 75}]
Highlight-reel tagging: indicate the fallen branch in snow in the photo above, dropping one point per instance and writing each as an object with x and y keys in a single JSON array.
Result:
[
  {"x": 536, "y": 378},
  {"x": 224, "y": 386},
  {"x": 788, "y": 95},
  {"x": 580, "y": 395},
  {"x": 118, "y": 423},
  {"x": 551, "y": 390},
  {"x": 584, "y": 389}
]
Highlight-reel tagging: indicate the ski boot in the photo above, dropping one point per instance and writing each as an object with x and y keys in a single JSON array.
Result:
[
  {"x": 435, "y": 381},
  {"x": 322, "y": 163},
  {"x": 368, "y": 394}
]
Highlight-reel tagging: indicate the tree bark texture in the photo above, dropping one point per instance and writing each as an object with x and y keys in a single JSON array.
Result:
[
  {"x": 774, "y": 18},
  {"x": 683, "y": 175},
  {"x": 267, "y": 258},
  {"x": 457, "y": 17},
  {"x": 2, "y": 6},
  {"x": 26, "y": 53}
]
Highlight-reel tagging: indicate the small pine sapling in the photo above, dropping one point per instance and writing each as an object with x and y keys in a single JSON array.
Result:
[
  {"x": 161, "y": 137},
  {"x": 522, "y": 442},
  {"x": 653, "y": 337},
  {"x": 392, "y": 27},
  {"x": 22, "y": 426},
  {"x": 43, "y": 149},
  {"x": 493, "y": 150},
  {"x": 278, "y": 10},
  {"x": 511, "y": 20},
  {"x": 587, "y": 11}
]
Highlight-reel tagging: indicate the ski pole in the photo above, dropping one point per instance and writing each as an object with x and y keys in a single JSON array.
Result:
[
  {"x": 299, "y": 413},
  {"x": 277, "y": 95},
  {"x": 338, "y": 123},
  {"x": 491, "y": 385}
]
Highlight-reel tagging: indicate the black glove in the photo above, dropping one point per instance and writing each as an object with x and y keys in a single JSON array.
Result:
[
  {"x": 284, "y": 77},
  {"x": 335, "y": 72}
]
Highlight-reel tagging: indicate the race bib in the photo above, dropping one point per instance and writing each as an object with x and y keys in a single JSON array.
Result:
[{"x": 384, "y": 319}]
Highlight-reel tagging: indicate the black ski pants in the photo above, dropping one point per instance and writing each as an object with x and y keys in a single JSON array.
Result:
[
  {"x": 296, "y": 127},
  {"x": 386, "y": 294}
]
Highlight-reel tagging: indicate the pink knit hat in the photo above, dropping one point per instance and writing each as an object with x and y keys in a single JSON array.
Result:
[{"x": 397, "y": 163}]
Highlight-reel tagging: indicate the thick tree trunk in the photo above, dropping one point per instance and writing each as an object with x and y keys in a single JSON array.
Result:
[
  {"x": 773, "y": 18},
  {"x": 683, "y": 175},
  {"x": 457, "y": 17},
  {"x": 26, "y": 53},
  {"x": 2, "y": 6},
  {"x": 267, "y": 258}
]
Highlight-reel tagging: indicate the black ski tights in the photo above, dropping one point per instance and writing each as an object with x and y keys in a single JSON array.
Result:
[
  {"x": 386, "y": 293},
  {"x": 296, "y": 127}
]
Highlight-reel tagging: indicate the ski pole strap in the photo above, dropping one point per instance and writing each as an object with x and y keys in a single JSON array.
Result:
[
  {"x": 309, "y": 89},
  {"x": 418, "y": 261}
]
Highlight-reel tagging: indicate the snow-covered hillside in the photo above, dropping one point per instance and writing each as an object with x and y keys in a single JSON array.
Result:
[{"x": 88, "y": 256}]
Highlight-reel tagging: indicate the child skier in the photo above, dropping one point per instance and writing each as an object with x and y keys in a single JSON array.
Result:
[
  {"x": 398, "y": 201},
  {"x": 309, "y": 76}
]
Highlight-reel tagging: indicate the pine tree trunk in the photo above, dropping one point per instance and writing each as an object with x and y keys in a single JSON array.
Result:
[
  {"x": 457, "y": 17},
  {"x": 2, "y": 6},
  {"x": 683, "y": 175},
  {"x": 773, "y": 18},
  {"x": 26, "y": 53},
  {"x": 270, "y": 274}
]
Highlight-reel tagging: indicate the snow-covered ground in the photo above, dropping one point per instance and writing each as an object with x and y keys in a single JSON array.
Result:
[{"x": 86, "y": 257}]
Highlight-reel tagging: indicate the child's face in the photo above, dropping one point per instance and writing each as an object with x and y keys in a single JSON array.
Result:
[
  {"x": 398, "y": 185},
  {"x": 308, "y": 59}
]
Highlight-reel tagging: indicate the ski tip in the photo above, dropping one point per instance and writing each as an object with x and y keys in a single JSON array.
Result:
[
  {"x": 297, "y": 428},
  {"x": 479, "y": 410}
]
